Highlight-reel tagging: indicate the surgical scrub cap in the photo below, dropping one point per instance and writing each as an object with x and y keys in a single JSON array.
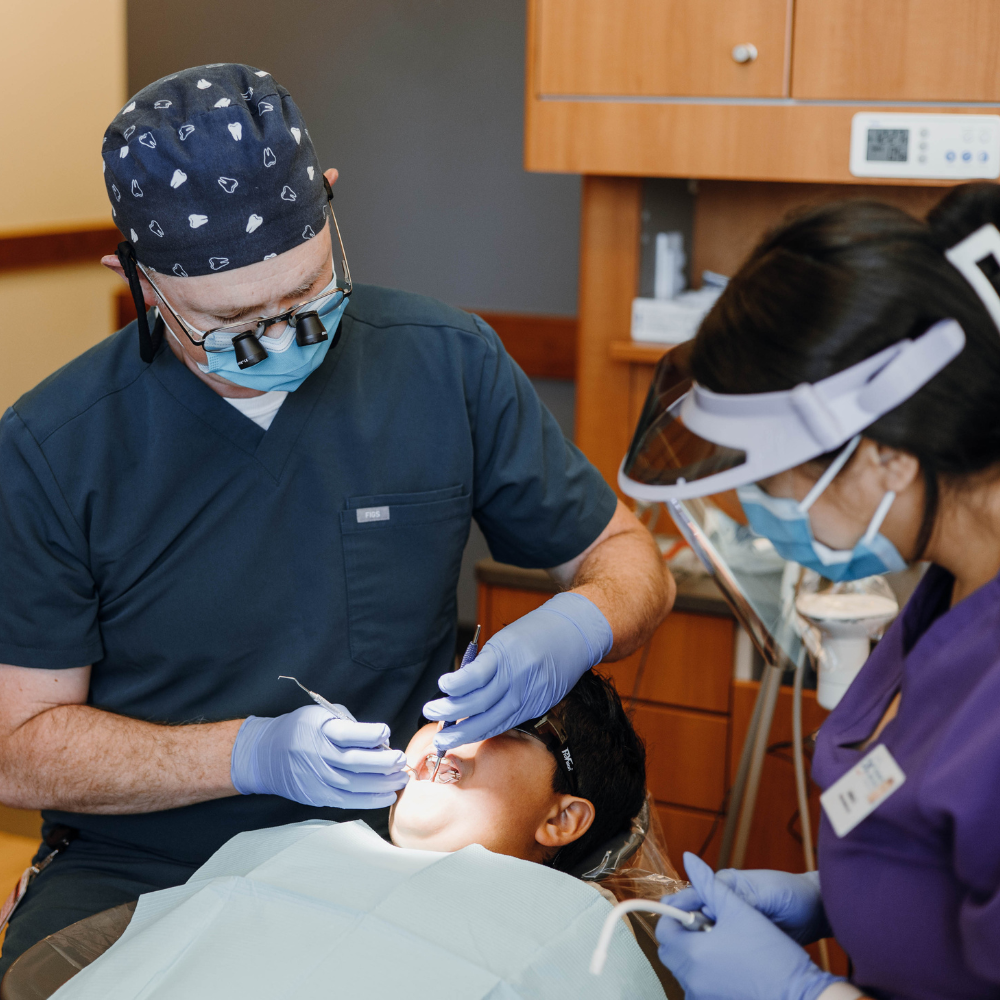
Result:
[{"x": 212, "y": 169}]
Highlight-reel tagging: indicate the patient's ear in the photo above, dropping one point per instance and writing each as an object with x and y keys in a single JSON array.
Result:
[{"x": 570, "y": 818}]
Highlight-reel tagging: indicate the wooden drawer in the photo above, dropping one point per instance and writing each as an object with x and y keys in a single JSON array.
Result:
[
  {"x": 687, "y": 830},
  {"x": 913, "y": 50},
  {"x": 690, "y": 663},
  {"x": 686, "y": 755},
  {"x": 659, "y": 47},
  {"x": 499, "y": 606}
]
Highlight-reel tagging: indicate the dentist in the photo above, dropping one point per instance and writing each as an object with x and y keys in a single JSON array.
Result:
[{"x": 273, "y": 471}]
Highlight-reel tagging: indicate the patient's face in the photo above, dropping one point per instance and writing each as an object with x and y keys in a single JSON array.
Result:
[{"x": 496, "y": 793}]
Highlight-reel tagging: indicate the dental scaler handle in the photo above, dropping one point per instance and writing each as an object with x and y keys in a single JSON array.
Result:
[
  {"x": 471, "y": 652},
  {"x": 337, "y": 711}
]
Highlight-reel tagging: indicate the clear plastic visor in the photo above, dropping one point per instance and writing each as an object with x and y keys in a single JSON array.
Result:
[{"x": 663, "y": 451}]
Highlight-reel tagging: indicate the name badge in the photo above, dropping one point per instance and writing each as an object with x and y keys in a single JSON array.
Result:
[
  {"x": 366, "y": 514},
  {"x": 862, "y": 790}
]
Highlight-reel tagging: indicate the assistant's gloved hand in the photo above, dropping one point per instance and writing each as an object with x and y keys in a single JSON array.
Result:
[
  {"x": 523, "y": 671},
  {"x": 793, "y": 902},
  {"x": 311, "y": 757},
  {"x": 743, "y": 956}
]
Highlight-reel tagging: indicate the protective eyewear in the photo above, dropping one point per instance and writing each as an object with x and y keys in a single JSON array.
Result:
[
  {"x": 549, "y": 730},
  {"x": 244, "y": 337}
]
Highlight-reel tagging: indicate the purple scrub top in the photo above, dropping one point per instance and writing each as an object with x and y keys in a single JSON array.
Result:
[{"x": 913, "y": 891}]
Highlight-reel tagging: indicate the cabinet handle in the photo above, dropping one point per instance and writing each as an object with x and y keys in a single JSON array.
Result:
[{"x": 744, "y": 53}]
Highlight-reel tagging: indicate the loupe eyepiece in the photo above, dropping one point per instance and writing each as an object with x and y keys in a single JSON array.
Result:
[
  {"x": 309, "y": 328},
  {"x": 248, "y": 350}
]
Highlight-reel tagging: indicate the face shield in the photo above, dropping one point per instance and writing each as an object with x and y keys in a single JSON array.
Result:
[
  {"x": 691, "y": 442},
  {"x": 665, "y": 452}
]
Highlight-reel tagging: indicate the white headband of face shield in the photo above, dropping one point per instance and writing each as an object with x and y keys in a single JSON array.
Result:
[{"x": 779, "y": 430}]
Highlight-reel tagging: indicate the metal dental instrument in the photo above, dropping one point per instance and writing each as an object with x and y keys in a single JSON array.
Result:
[
  {"x": 471, "y": 652},
  {"x": 337, "y": 711}
]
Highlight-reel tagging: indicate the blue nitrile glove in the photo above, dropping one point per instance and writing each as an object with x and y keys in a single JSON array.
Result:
[
  {"x": 743, "y": 956},
  {"x": 793, "y": 902},
  {"x": 523, "y": 671},
  {"x": 311, "y": 757}
]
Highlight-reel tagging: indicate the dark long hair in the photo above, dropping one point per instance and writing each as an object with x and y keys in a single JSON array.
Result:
[{"x": 836, "y": 284}]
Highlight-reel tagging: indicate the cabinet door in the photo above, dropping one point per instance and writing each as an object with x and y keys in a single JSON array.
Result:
[
  {"x": 685, "y": 755},
  {"x": 659, "y": 47},
  {"x": 913, "y": 50},
  {"x": 690, "y": 663}
]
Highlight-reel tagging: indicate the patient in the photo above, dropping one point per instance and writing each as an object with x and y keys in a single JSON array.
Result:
[
  {"x": 317, "y": 908},
  {"x": 528, "y": 792}
]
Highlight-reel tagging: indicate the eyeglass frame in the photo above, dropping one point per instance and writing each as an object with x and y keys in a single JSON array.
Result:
[
  {"x": 551, "y": 733},
  {"x": 261, "y": 323}
]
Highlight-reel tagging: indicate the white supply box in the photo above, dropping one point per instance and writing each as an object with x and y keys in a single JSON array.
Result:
[
  {"x": 672, "y": 321},
  {"x": 940, "y": 147}
]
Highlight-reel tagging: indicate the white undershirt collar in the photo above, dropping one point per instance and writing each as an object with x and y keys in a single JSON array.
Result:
[{"x": 260, "y": 409}]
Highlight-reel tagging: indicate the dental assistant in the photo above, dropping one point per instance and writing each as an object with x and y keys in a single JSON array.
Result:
[
  {"x": 846, "y": 385},
  {"x": 272, "y": 472}
]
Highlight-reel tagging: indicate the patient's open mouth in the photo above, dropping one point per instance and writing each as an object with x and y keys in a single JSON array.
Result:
[{"x": 448, "y": 773}]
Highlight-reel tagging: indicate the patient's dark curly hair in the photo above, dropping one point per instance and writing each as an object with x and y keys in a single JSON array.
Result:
[{"x": 610, "y": 760}]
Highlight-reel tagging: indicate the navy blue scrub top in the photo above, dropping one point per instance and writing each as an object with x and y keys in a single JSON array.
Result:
[{"x": 150, "y": 529}]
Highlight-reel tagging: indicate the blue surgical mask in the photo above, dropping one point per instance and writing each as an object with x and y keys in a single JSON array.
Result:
[
  {"x": 785, "y": 522},
  {"x": 287, "y": 365}
]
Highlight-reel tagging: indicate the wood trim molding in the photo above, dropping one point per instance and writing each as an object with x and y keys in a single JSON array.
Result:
[
  {"x": 635, "y": 352},
  {"x": 609, "y": 277},
  {"x": 544, "y": 346},
  {"x": 50, "y": 249}
]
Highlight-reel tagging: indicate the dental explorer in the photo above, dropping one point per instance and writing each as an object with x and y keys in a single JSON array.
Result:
[
  {"x": 471, "y": 652},
  {"x": 337, "y": 711}
]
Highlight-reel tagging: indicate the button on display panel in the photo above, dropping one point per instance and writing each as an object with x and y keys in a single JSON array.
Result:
[{"x": 944, "y": 147}]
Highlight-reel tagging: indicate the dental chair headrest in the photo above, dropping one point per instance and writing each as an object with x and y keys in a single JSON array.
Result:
[{"x": 613, "y": 853}]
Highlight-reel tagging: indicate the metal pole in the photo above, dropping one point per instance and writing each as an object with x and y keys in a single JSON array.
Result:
[
  {"x": 739, "y": 783},
  {"x": 772, "y": 681}
]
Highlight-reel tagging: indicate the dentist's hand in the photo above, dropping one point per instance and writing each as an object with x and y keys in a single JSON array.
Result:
[
  {"x": 793, "y": 902},
  {"x": 743, "y": 956},
  {"x": 523, "y": 671},
  {"x": 311, "y": 757}
]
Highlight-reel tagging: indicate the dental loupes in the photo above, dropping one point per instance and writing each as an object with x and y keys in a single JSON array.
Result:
[{"x": 471, "y": 652}]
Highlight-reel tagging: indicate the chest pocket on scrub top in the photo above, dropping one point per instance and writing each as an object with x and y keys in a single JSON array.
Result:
[{"x": 402, "y": 554}]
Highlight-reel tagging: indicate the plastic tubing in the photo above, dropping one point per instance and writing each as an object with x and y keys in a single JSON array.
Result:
[{"x": 600, "y": 955}]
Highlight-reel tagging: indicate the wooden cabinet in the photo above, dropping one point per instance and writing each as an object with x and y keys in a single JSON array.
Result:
[
  {"x": 896, "y": 50},
  {"x": 660, "y": 47},
  {"x": 650, "y": 87},
  {"x": 686, "y": 751},
  {"x": 694, "y": 640}
]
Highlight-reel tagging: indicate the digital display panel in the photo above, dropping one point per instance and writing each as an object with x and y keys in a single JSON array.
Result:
[{"x": 888, "y": 145}]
